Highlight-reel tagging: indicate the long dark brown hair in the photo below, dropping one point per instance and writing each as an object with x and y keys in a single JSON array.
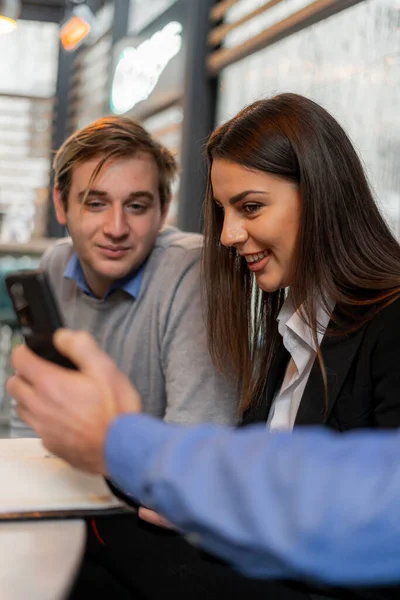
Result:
[{"x": 344, "y": 251}]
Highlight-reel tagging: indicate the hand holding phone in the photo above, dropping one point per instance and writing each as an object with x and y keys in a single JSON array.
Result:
[{"x": 37, "y": 312}]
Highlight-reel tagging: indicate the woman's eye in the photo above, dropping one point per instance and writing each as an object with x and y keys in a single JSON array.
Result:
[{"x": 251, "y": 207}]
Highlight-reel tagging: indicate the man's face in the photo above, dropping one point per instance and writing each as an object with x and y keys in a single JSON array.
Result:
[{"x": 115, "y": 228}]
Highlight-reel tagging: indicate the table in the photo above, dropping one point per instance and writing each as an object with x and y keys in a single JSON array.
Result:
[{"x": 39, "y": 559}]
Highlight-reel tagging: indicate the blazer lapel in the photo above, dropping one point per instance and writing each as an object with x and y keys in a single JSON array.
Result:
[
  {"x": 276, "y": 376},
  {"x": 338, "y": 353},
  {"x": 259, "y": 411}
]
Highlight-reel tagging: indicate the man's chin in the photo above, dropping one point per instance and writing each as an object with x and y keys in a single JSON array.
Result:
[{"x": 113, "y": 275}]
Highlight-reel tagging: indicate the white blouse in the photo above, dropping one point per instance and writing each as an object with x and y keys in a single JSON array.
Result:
[{"x": 298, "y": 341}]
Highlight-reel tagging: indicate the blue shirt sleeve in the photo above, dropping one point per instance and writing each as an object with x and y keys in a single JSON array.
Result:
[{"x": 308, "y": 504}]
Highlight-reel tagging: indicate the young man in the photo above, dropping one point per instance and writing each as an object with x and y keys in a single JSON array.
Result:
[
  {"x": 129, "y": 280},
  {"x": 134, "y": 284}
]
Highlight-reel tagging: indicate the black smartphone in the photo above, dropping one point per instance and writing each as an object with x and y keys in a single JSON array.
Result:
[{"x": 37, "y": 312}]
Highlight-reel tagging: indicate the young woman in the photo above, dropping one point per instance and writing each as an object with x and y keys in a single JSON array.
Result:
[
  {"x": 302, "y": 275},
  {"x": 302, "y": 272}
]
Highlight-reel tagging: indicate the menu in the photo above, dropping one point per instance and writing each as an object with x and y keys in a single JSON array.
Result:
[{"x": 35, "y": 483}]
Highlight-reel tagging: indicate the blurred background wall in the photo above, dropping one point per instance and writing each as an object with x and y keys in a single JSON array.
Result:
[{"x": 181, "y": 67}]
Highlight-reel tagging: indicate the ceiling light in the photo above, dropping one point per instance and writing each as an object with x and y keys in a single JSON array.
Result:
[
  {"x": 9, "y": 13},
  {"x": 138, "y": 69},
  {"x": 76, "y": 27}
]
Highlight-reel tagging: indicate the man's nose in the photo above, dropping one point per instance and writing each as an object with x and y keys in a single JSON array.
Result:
[{"x": 116, "y": 224}]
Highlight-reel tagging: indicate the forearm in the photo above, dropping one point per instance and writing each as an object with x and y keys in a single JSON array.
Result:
[{"x": 307, "y": 504}]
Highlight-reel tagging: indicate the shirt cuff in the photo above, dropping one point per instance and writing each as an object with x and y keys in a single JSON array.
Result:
[{"x": 133, "y": 442}]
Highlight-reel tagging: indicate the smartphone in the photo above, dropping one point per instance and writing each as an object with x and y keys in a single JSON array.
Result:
[{"x": 37, "y": 312}]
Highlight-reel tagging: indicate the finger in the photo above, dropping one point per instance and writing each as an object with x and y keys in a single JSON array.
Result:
[
  {"x": 17, "y": 388},
  {"x": 27, "y": 417},
  {"x": 152, "y": 517},
  {"x": 81, "y": 348},
  {"x": 22, "y": 359},
  {"x": 23, "y": 393},
  {"x": 30, "y": 366}
]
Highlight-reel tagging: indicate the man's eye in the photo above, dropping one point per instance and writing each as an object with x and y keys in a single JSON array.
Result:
[
  {"x": 137, "y": 207},
  {"x": 94, "y": 204}
]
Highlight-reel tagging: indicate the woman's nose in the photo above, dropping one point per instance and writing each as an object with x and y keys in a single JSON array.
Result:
[{"x": 233, "y": 233}]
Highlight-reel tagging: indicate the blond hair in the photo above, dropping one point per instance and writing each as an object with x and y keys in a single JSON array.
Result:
[{"x": 111, "y": 138}]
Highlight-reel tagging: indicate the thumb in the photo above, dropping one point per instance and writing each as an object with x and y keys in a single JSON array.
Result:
[
  {"x": 82, "y": 349},
  {"x": 127, "y": 398}
]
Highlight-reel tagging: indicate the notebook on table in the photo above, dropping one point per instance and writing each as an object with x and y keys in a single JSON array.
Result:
[{"x": 36, "y": 484}]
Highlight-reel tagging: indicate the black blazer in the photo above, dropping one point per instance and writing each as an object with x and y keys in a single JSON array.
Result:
[{"x": 363, "y": 373}]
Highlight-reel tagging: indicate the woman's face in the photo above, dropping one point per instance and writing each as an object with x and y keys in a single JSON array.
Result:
[{"x": 261, "y": 220}]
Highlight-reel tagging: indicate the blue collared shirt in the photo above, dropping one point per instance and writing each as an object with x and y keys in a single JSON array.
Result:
[
  {"x": 130, "y": 284},
  {"x": 307, "y": 504}
]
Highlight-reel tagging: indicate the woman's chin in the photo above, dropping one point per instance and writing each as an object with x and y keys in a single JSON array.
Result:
[
  {"x": 267, "y": 286},
  {"x": 271, "y": 281}
]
